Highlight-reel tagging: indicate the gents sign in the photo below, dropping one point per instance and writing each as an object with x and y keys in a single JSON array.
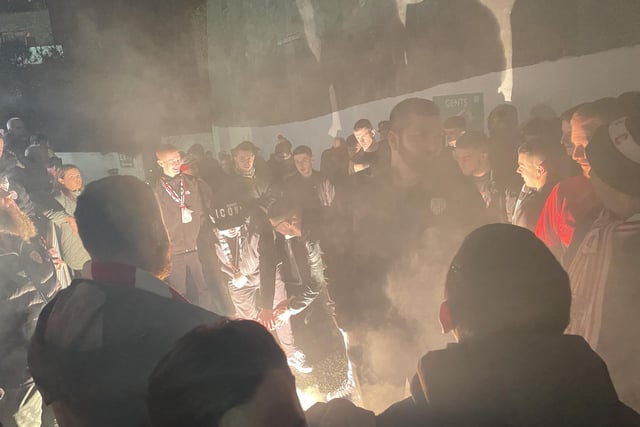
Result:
[{"x": 468, "y": 105}]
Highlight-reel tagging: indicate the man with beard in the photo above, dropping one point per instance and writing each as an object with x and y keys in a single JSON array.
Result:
[
  {"x": 27, "y": 283},
  {"x": 97, "y": 342},
  {"x": 422, "y": 203}
]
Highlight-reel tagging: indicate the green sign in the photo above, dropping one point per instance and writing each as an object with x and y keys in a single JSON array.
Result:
[
  {"x": 468, "y": 105},
  {"x": 126, "y": 161}
]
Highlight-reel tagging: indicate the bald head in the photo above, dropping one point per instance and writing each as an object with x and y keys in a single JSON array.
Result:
[{"x": 169, "y": 159}]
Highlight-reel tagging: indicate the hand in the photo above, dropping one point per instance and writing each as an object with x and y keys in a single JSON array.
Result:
[
  {"x": 281, "y": 313},
  {"x": 267, "y": 318},
  {"x": 55, "y": 259},
  {"x": 72, "y": 222},
  {"x": 57, "y": 263}
]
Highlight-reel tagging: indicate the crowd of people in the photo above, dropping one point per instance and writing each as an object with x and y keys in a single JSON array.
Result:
[{"x": 211, "y": 294}]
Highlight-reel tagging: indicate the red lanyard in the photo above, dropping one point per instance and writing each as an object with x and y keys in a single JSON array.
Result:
[{"x": 178, "y": 199}]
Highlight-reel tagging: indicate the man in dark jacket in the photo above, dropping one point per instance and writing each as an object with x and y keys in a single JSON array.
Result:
[
  {"x": 512, "y": 364},
  {"x": 247, "y": 260},
  {"x": 375, "y": 153},
  {"x": 422, "y": 204},
  {"x": 27, "y": 283},
  {"x": 605, "y": 273},
  {"x": 302, "y": 271},
  {"x": 472, "y": 154},
  {"x": 97, "y": 342},
  {"x": 185, "y": 203},
  {"x": 311, "y": 189},
  {"x": 254, "y": 184},
  {"x": 334, "y": 161}
]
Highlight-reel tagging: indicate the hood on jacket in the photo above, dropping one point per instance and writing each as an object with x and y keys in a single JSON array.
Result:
[
  {"x": 15, "y": 222},
  {"x": 518, "y": 381}
]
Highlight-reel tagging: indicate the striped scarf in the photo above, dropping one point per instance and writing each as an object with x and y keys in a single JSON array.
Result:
[{"x": 589, "y": 272}]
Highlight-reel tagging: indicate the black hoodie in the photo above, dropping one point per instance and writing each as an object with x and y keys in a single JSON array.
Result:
[{"x": 515, "y": 381}]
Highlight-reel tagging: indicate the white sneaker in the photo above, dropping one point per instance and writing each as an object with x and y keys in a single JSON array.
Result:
[
  {"x": 298, "y": 361},
  {"x": 345, "y": 391}
]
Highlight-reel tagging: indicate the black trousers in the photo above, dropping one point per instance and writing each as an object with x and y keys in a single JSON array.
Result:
[{"x": 188, "y": 265}]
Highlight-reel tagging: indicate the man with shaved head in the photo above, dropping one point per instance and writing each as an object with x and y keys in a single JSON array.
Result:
[{"x": 184, "y": 201}]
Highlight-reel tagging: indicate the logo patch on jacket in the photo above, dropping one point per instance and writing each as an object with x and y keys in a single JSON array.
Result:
[{"x": 36, "y": 257}]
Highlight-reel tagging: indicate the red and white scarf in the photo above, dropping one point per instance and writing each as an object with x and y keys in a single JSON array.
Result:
[
  {"x": 589, "y": 273},
  {"x": 180, "y": 200}
]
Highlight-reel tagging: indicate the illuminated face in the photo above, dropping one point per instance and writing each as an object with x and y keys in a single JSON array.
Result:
[
  {"x": 472, "y": 161},
  {"x": 365, "y": 137},
  {"x": 528, "y": 168},
  {"x": 580, "y": 135},
  {"x": 170, "y": 162},
  {"x": 420, "y": 142},
  {"x": 71, "y": 180},
  {"x": 244, "y": 160},
  {"x": 304, "y": 164},
  {"x": 275, "y": 403}
]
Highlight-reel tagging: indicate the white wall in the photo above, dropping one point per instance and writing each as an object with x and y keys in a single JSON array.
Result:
[
  {"x": 94, "y": 166},
  {"x": 559, "y": 84}
]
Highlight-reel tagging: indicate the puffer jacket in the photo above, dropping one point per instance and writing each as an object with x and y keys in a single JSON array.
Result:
[{"x": 27, "y": 283}]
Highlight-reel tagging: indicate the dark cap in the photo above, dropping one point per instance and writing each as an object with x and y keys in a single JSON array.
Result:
[
  {"x": 245, "y": 146},
  {"x": 228, "y": 215},
  {"x": 228, "y": 211},
  {"x": 614, "y": 154}
]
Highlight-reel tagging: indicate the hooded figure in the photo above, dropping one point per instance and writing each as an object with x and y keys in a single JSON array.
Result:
[
  {"x": 507, "y": 304},
  {"x": 27, "y": 283}
]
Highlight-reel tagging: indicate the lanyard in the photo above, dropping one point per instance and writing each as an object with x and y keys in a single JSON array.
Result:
[{"x": 178, "y": 199}]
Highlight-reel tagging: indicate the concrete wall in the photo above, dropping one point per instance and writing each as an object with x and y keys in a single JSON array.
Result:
[
  {"x": 184, "y": 142},
  {"x": 281, "y": 61},
  {"x": 94, "y": 166},
  {"x": 36, "y": 23},
  {"x": 559, "y": 84}
]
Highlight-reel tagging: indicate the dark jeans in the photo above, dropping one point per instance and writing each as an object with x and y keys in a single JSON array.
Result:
[{"x": 188, "y": 265}]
